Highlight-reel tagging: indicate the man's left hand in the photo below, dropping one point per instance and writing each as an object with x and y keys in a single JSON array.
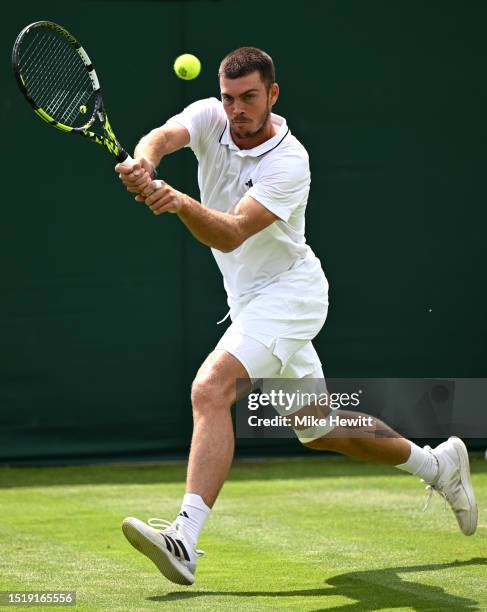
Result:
[{"x": 163, "y": 199}]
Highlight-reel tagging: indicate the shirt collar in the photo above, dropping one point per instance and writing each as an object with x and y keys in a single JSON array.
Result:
[{"x": 265, "y": 147}]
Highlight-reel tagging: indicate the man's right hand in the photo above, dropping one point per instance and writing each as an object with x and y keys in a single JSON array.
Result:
[{"x": 137, "y": 176}]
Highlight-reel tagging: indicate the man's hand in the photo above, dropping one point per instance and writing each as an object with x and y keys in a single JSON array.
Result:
[
  {"x": 137, "y": 176},
  {"x": 163, "y": 198}
]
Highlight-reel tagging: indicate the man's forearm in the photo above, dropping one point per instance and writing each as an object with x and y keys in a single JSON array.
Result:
[
  {"x": 152, "y": 146},
  {"x": 224, "y": 231},
  {"x": 160, "y": 142},
  {"x": 216, "y": 229}
]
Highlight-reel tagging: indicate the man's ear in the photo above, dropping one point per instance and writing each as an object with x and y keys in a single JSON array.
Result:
[{"x": 273, "y": 93}]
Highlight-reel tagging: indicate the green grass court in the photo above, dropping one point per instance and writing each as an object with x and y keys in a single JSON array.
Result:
[{"x": 306, "y": 534}]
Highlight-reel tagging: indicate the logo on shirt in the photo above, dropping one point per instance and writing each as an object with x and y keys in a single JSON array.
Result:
[{"x": 249, "y": 184}]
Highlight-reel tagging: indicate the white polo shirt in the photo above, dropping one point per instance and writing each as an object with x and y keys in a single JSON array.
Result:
[{"x": 276, "y": 174}]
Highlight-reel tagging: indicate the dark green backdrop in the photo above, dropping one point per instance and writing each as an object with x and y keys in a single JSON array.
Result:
[{"x": 107, "y": 311}]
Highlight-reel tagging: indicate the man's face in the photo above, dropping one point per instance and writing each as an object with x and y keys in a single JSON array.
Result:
[{"x": 247, "y": 103}]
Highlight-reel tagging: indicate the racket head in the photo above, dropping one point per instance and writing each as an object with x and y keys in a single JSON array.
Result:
[{"x": 56, "y": 76}]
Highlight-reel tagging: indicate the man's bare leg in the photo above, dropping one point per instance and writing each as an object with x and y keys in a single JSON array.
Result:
[
  {"x": 212, "y": 445},
  {"x": 374, "y": 442},
  {"x": 378, "y": 443},
  {"x": 173, "y": 549}
]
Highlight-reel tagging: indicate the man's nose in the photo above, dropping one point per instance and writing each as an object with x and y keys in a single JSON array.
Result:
[{"x": 237, "y": 109}]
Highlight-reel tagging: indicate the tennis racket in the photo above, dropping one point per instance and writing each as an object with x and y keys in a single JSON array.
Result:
[{"x": 58, "y": 79}]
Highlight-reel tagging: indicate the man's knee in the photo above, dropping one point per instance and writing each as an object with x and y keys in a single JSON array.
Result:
[
  {"x": 208, "y": 394},
  {"x": 214, "y": 387}
]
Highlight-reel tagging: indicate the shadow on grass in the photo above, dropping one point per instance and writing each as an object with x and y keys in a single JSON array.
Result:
[{"x": 371, "y": 590}]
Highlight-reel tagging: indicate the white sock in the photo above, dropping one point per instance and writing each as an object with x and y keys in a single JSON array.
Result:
[
  {"x": 193, "y": 515},
  {"x": 421, "y": 463}
]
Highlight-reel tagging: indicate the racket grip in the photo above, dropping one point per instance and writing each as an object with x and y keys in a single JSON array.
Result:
[{"x": 128, "y": 161}]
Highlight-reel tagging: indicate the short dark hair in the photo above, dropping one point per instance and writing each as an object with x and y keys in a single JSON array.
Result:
[{"x": 245, "y": 60}]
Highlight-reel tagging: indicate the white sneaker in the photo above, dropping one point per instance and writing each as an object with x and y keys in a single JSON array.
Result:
[
  {"x": 453, "y": 483},
  {"x": 168, "y": 548}
]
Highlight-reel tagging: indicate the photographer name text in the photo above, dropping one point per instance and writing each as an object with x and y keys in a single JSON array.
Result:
[{"x": 333, "y": 420}]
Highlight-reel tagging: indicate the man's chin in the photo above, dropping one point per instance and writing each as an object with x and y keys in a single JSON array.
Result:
[{"x": 239, "y": 133}]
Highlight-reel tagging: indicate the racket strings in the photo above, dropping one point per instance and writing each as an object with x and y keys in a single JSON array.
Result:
[
  {"x": 50, "y": 87},
  {"x": 56, "y": 77},
  {"x": 68, "y": 79},
  {"x": 40, "y": 77},
  {"x": 54, "y": 80},
  {"x": 59, "y": 99},
  {"x": 37, "y": 74}
]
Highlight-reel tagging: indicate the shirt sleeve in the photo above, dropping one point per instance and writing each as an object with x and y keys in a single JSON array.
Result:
[
  {"x": 283, "y": 185},
  {"x": 201, "y": 119}
]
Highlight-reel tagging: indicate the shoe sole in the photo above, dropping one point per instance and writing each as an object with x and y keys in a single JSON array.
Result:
[
  {"x": 151, "y": 544},
  {"x": 462, "y": 453}
]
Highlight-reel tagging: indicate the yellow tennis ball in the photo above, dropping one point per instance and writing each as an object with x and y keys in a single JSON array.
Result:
[
  {"x": 187, "y": 66},
  {"x": 82, "y": 109}
]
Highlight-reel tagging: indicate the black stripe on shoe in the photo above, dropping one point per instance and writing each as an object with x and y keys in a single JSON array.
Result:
[
  {"x": 179, "y": 548},
  {"x": 168, "y": 546},
  {"x": 183, "y": 548},
  {"x": 177, "y": 551}
]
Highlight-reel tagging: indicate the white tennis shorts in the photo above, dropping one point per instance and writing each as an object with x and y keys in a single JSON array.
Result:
[
  {"x": 271, "y": 332},
  {"x": 271, "y": 335}
]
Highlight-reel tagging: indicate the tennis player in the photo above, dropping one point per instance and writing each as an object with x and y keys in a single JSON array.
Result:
[{"x": 254, "y": 181}]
